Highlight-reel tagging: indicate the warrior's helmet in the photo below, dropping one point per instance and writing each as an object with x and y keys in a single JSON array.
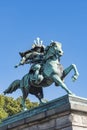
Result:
[{"x": 38, "y": 45}]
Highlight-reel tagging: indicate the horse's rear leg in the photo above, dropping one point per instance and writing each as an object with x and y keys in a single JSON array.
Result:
[
  {"x": 25, "y": 94},
  {"x": 68, "y": 69},
  {"x": 39, "y": 95},
  {"x": 38, "y": 92}
]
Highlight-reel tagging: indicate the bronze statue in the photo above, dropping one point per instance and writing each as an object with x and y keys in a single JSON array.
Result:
[{"x": 45, "y": 70}]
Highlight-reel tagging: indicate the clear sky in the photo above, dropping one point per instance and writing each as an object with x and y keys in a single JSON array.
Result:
[{"x": 21, "y": 21}]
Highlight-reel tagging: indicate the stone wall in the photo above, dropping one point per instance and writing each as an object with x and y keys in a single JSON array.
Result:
[{"x": 64, "y": 113}]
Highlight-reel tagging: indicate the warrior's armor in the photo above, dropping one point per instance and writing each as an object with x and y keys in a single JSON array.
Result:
[{"x": 34, "y": 56}]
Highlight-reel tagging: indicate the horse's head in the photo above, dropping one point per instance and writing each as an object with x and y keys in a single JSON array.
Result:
[
  {"x": 54, "y": 49},
  {"x": 57, "y": 47}
]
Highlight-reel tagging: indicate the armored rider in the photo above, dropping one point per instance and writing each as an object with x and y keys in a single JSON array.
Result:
[{"x": 34, "y": 56}]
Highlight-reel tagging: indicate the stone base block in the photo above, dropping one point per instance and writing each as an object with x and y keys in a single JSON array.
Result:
[{"x": 64, "y": 113}]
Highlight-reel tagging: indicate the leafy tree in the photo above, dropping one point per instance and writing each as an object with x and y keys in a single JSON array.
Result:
[
  {"x": 10, "y": 106},
  {"x": 3, "y": 113}
]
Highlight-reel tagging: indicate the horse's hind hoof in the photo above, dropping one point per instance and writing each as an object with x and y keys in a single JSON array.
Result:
[
  {"x": 25, "y": 109},
  {"x": 72, "y": 94},
  {"x": 43, "y": 101}
]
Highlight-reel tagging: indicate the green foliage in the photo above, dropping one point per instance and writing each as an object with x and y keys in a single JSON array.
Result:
[
  {"x": 30, "y": 105},
  {"x": 3, "y": 113},
  {"x": 10, "y": 106}
]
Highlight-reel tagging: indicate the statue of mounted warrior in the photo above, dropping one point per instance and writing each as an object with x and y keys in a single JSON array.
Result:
[{"x": 45, "y": 69}]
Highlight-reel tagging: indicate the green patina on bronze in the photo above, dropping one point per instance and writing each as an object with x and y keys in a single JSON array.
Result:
[{"x": 45, "y": 70}]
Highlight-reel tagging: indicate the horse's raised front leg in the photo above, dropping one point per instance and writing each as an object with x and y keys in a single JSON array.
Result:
[
  {"x": 58, "y": 81},
  {"x": 68, "y": 69}
]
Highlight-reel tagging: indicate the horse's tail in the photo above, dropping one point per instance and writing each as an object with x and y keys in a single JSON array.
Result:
[{"x": 13, "y": 87}]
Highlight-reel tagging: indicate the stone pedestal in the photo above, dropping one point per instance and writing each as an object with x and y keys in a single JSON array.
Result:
[{"x": 64, "y": 113}]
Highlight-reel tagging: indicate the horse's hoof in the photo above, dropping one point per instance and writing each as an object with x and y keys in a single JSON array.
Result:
[
  {"x": 72, "y": 94},
  {"x": 43, "y": 101},
  {"x": 25, "y": 109},
  {"x": 74, "y": 78}
]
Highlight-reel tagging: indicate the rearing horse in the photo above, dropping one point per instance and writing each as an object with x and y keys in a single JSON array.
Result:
[{"x": 52, "y": 72}]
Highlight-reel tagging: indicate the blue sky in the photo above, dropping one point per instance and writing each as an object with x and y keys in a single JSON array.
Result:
[{"x": 21, "y": 21}]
